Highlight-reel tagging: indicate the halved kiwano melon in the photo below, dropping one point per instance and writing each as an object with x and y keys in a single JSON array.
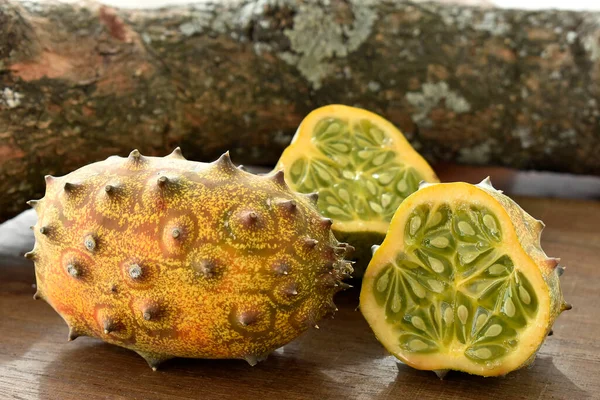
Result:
[
  {"x": 361, "y": 166},
  {"x": 461, "y": 282}
]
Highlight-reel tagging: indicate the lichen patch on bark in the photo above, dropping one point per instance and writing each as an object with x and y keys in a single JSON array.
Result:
[
  {"x": 318, "y": 36},
  {"x": 430, "y": 96},
  {"x": 477, "y": 154},
  {"x": 523, "y": 133},
  {"x": 10, "y": 98}
]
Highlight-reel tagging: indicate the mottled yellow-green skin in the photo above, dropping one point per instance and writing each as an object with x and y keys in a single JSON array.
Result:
[{"x": 183, "y": 259}]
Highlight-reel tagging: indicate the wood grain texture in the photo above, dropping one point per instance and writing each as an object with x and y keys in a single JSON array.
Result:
[
  {"x": 80, "y": 82},
  {"x": 342, "y": 360}
]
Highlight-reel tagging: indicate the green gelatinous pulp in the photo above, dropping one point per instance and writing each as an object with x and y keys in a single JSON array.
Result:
[
  {"x": 452, "y": 284},
  {"x": 358, "y": 176}
]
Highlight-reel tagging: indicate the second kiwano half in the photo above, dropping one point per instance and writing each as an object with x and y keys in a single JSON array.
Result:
[
  {"x": 361, "y": 166},
  {"x": 460, "y": 281}
]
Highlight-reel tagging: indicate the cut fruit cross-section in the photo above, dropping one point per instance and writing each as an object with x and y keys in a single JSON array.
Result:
[
  {"x": 461, "y": 282},
  {"x": 361, "y": 166}
]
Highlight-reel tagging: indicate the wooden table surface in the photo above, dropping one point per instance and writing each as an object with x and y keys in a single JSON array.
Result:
[{"x": 342, "y": 360}]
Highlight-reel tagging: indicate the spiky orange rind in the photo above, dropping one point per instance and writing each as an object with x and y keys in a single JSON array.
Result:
[{"x": 174, "y": 258}]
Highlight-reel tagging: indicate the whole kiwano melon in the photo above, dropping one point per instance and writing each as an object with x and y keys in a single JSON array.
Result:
[
  {"x": 461, "y": 282},
  {"x": 173, "y": 258}
]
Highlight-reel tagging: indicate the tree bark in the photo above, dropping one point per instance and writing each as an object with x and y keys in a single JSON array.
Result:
[{"x": 470, "y": 85}]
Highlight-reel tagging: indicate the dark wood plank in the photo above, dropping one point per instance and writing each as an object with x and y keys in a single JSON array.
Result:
[{"x": 342, "y": 360}]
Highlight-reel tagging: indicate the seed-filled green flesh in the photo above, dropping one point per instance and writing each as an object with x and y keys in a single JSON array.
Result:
[
  {"x": 453, "y": 288},
  {"x": 362, "y": 168},
  {"x": 357, "y": 172}
]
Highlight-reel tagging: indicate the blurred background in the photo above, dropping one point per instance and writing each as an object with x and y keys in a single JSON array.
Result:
[
  {"x": 582, "y": 5},
  {"x": 540, "y": 4}
]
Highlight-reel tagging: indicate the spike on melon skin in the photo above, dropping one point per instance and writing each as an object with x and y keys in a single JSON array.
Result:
[
  {"x": 461, "y": 282},
  {"x": 359, "y": 167},
  {"x": 174, "y": 258}
]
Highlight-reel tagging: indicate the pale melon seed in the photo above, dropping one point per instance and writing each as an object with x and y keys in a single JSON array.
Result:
[
  {"x": 386, "y": 178},
  {"x": 344, "y": 195},
  {"x": 401, "y": 186},
  {"x": 490, "y": 223},
  {"x": 415, "y": 224},
  {"x": 493, "y": 330},
  {"x": 509, "y": 307},
  {"x": 371, "y": 187},
  {"x": 436, "y": 286},
  {"x": 480, "y": 321},
  {"x": 524, "y": 295},
  {"x": 496, "y": 269},
  {"x": 375, "y": 207},
  {"x": 418, "y": 289},
  {"x": 340, "y": 147},
  {"x": 440, "y": 242},
  {"x": 377, "y": 161},
  {"x": 333, "y": 128},
  {"x": 376, "y": 134},
  {"x": 463, "y": 314},
  {"x": 348, "y": 174},
  {"x": 436, "y": 265},
  {"x": 323, "y": 174},
  {"x": 382, "y": 282},
  {"x": 396, "y": 302},
  {"x": 437, "y": 217},
  {"x": 483, "y": 353},
  {"x": 297, "y": 168},
  {"x": 332, "y": 200},
  {"x": 417, "y": 345},
  {"x": 335, "y": 210},
  {"x": 364, "y": 154},
  {"x": 481, "y": 287},
  {"x": 386, "y": 199},
  {"x": 341, "y": 161},
  {"x": 467, "y": 256},
  {"x": 418, "y": 323},
  {"x": 448, "y": 316},
  {"x": 465, "y": 228}
]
